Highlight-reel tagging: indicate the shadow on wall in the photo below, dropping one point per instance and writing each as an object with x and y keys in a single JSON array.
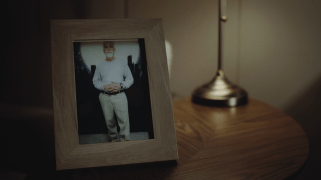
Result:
[{"x": 306, "y": 111}]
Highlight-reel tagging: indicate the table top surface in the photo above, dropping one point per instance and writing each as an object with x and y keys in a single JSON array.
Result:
[{"x": 253, "y": 141}]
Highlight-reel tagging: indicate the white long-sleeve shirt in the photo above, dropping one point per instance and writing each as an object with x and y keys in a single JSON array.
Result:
[{"x": 116, "y": 70}]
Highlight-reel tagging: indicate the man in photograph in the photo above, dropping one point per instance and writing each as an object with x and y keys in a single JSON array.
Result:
[{"x": 112, "y": 77}]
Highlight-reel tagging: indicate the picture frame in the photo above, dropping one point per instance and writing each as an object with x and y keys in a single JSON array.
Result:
[{"x": 69, "y": 153}]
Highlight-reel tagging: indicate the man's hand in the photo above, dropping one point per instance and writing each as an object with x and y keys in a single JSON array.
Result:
[
  {"x": 113, "y": 87},
  {"x": 108, "y": 86},
  {"x": 116, "y": 85}
]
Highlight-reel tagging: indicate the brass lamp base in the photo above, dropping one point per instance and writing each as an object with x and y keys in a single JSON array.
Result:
[{"x": 220, "y": 92}]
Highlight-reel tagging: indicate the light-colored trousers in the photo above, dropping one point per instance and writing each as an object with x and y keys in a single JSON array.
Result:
[{"x": 116, "y": 103}]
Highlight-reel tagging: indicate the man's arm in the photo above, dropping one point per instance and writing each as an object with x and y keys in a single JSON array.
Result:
[
  {"x": 129, "y": 80},
  {"x": 97, "y": 80}
]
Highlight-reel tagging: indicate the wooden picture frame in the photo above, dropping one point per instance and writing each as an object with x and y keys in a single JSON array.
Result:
[{"x": 69, "y": 153}]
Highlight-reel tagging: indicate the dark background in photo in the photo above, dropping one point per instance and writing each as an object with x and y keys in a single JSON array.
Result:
[{"x": 89, "y": 112}]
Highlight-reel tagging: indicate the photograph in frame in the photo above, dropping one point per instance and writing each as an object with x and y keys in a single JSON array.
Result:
[
  {"x": 124, "y": 113},
  {"x": 82, "y": 139}
]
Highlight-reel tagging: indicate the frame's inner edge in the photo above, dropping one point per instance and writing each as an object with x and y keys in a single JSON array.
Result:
[{"x": 95, "y": 40}]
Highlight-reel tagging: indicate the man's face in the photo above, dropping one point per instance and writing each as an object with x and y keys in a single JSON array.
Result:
[{"x": 109, "y": 49}]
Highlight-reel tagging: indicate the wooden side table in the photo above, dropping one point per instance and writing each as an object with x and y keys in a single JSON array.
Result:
[{"x": 254, "y": 141}]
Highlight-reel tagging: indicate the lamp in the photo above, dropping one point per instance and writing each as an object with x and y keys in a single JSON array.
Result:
[{"x": 220, "y": 91}]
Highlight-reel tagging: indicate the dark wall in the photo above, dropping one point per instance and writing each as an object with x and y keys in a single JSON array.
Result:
[
  {"x": 26, "y": 74},
  {"x": 26, "y": 130}
]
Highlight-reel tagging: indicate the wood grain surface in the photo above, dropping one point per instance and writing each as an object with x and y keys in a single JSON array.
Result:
[{"x": 254, "y": 141}]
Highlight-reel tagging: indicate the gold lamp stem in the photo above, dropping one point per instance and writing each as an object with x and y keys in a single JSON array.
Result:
[
  {"x": 220, "y": 19},
  {"x": 220, "y": 91}
]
